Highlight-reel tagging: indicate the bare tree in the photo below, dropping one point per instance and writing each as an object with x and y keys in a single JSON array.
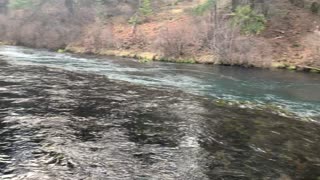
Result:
[{"x": 3, "y": 6}]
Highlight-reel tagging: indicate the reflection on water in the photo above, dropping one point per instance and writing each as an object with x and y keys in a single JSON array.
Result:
[{"x": 57, "y": 124}]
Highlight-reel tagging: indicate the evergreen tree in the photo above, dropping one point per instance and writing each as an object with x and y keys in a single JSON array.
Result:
[
  {"x": 248, "y": 20},
  {"x": 20, "y": 4},
  {"x": 146, "y": 8},
  {"x": 208, "y": 5}
]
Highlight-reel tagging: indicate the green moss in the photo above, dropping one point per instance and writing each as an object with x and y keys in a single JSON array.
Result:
[
  {"x": 61, "y": 51},
  {"x": 5, "y": 43},
  {"x": 272, "y": 108},
  {"x": 292, "y": 67},
  {"x": 249, "y": 21},
  {"x": 221, "y": 102},
  {"x": 278, "y": 65},
  {"x": 76, "y": 49},
  {"x": 190, "y": 61},
  {"x": 147, "y": 56},
  {"x": 124, "y": 54},
  {"x": 314, "y": 71},
  {"x": 173, "y": 60}
]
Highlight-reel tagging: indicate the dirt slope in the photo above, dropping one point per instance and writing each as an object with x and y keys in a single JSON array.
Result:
[{"x": 294, "y": 34}]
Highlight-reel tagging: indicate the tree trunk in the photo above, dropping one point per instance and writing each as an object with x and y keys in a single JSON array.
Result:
[
  {"x": 235, "y": 4},
  {"x": 3, "y": 6},
  {"x": 69, "y": 5}
]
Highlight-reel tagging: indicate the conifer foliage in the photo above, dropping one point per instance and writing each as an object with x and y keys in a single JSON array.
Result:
[{"x": 146, "y": 8}]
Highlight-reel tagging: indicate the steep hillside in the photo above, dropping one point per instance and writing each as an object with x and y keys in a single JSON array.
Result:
[{"x": 294, "y": 34}]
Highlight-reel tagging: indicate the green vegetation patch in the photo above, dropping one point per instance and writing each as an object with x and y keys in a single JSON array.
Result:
[
  {"x": 20, "y": 4},
  {"x": 204, "y": 7},
  {"x": 248, "y": 20}
]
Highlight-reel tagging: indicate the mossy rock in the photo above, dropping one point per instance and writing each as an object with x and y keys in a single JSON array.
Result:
[
  {"x": 144, "y": 60},
  {"x": 132, "y": 55},
  {"x": 178, "y": 60},
  {"x": 146, "y": 56},
  {"x": 158, "y": 58},
  {"x": 2, "y": 43},
  {"x": 108, "y": 52},
  {"x": 124, "y": 54},
  {"x": 312, "y": 69},
  {"x": 76, "y": 49},
  {"x": 292, "y": 67},
  {"x": 61, "y": 51},
  {"x": 169, "y": 59},
  {"x": 220, "y": 102},
  {"x": 278, "y": 65},
  {"x": 189, "y": 61},
  {"x": 315, "y": 71}
]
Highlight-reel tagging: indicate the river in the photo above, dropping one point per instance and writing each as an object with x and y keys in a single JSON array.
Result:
[{"x": 65, "y": 116}]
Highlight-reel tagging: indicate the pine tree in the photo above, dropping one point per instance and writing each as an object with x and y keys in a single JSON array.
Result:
[
  {"x": 208, "y": 5},
  {"x": 248, "y": 20},
  {"x": 146, "y": 8},
  {"x": 20, "y": 4}
]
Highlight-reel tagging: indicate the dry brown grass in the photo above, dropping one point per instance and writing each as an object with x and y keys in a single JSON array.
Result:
[
  {"x": 312, "y": 54},
  {"x": 228, "y": 46}
]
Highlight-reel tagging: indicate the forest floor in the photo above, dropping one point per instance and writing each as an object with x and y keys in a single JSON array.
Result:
[{"x": 294, "y": 32}]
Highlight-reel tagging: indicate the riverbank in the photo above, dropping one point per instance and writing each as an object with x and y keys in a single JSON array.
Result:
[
  {"x": 145, "y": 57},
  {"x": 174, "y": 33},
  {"x": 201, "y": 59}
]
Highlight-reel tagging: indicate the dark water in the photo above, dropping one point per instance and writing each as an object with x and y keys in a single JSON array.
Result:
[
  {"x": 296, "y": 92},
  {"x": 61, "y": 119}
]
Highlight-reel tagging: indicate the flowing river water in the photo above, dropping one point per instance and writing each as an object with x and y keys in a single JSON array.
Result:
[{"x": 70, "y": 117}]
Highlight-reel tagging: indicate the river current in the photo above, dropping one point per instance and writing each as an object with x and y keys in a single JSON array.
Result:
[{"x": 66, "y": 116}]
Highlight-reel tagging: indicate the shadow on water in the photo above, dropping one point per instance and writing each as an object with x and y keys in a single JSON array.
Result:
[
  {"x": 250, "y": 145},
  {"x": 152, "y": 129},
  {"x": 56, "y": 124}
]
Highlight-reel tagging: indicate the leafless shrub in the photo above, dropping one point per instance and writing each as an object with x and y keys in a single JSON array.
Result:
[
  {"x": 47, "y": 26},
  {"x": 136, "y": 40},
  {"x": 177, "y": 40},
  {"x": 312, "y": 55},
  {"x": 98, "y": 36},
  {"x": 232, "y": 48}
]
